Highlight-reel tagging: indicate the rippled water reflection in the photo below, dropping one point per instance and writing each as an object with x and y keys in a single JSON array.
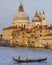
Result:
[{"x": 6, "y": 55}]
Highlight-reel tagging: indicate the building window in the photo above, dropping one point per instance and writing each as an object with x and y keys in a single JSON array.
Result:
[
  {"x": 23, "y": 36},
  {"x": 40, "y": 31},
  {"x": 40, "y": 35},
  {"x": 24, "y": 25}
]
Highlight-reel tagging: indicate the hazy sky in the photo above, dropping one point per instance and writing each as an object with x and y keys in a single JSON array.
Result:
[{"x": 8, "y": 9}]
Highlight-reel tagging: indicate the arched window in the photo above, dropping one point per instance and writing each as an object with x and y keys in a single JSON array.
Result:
[{"x": 24, "y": 25}]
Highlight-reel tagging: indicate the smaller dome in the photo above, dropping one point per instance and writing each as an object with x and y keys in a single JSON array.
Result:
[{"x": 36, "y": 19}]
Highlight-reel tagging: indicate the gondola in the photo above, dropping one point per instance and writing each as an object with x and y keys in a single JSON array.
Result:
[{"x": 29, "y": 60}]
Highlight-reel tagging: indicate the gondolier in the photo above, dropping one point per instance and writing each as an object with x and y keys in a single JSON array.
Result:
[{"x": 19, "y": 57}]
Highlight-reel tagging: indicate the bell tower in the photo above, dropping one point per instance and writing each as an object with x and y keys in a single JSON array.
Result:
[{"x": 43, "y": 18}]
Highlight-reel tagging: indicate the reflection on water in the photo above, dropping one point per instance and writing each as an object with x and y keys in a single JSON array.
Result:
[
  {"x": 34, "y": 63},
  {"x": 6, "y": 55}
]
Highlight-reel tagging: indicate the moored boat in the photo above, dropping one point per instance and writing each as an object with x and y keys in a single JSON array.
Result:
[{"x": 29, "y": 60}]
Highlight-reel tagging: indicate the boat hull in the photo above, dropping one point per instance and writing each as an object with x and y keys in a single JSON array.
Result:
[{"x": 29, "y": 60}]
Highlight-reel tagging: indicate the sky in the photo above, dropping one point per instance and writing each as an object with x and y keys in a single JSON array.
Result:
[{"x": 8, "y": 9}]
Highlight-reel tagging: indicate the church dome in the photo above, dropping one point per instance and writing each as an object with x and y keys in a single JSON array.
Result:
[
  {"x": 21, "y": 15},
  {"x": 36, "y": 18}
]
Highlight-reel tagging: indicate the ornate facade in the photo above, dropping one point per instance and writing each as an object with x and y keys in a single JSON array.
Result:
[
  {"x": 20, "y": 33},
  {"x": 38, "y": 19}
]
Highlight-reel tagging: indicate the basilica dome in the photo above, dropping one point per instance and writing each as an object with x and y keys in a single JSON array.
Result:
[
  {"x": 21, "y": 15},
  {"x": 21, "y": 18}
]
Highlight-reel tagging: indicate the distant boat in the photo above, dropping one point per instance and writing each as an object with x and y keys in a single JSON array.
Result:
[{"x": 29, "y": 60}]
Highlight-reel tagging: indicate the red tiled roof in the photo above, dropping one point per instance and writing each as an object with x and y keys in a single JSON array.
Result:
[
  {"x": 28, "y": 30},
  {"x": 15, "y": 30},
  {"x": 50, "y": 27},
  {"x": 11, "y": 27},
  {"x": 33, "y": 28},
  {"x": 48, "y": 34}
]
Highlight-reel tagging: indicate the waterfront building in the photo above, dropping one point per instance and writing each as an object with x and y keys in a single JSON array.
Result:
[
  {"x": 47, "y": 40},
  {"x": 21, "y": 33},
  {"x": 19, "y": 37},
  {"x": 7, "y": 33},
  {"x": 38, "y": 19},
  {"x": 1, "y": 37}
]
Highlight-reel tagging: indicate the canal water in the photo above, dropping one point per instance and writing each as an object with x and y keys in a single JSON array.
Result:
[{"x": 7, "y": 53}]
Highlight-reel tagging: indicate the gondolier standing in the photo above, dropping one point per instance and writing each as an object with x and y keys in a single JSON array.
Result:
[{"x": 19, "y": 57}]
